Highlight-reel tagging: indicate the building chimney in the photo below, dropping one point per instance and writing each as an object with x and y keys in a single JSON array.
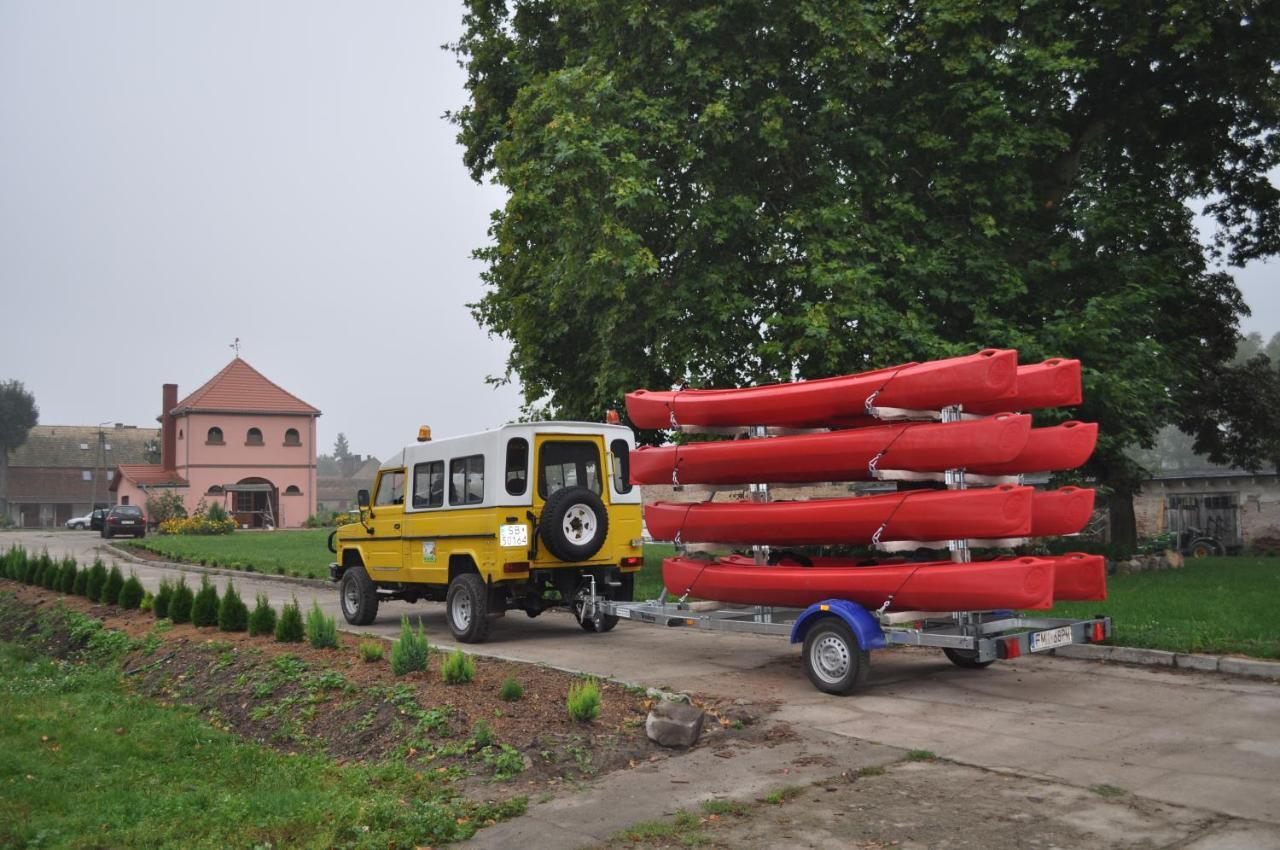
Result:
[{"x": 168, "y": 435}]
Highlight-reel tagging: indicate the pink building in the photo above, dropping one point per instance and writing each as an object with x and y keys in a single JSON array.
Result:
[{"x": 240, "y": 441}]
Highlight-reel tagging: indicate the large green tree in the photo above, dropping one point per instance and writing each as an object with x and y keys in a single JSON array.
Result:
[
  {"x": 18, "y": 415},
  {"x": 731, "y": 192}
]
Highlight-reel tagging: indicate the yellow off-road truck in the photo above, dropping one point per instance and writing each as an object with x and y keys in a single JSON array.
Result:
[{"x": 525, "y": 517}]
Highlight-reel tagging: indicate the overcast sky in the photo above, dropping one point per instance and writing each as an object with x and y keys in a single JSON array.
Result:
[{"x": 174, "y": 174}]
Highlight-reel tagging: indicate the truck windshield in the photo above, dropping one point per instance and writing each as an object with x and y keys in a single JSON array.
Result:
[{"x": 565, "y": 463}]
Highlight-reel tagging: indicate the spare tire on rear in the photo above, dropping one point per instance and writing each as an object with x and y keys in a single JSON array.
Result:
[{"x": 574, "y": 524}]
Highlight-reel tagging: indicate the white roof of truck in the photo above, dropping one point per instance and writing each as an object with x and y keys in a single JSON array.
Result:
[{"x": 527, "y": 430}]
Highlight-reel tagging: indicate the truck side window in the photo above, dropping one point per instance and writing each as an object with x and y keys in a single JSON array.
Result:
[
  {"x": 621, "y": 465},
  {"x": 466, "y": 480},
  {"x": 565, "y": 463},
  {"x": 517, "y": 466},
  {"x": 428, "y": 484},
  {"x": 390, "y": 488}
]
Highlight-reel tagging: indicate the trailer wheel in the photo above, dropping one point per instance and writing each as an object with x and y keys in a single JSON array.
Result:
[
  {"x": 833, "y": 659},
  {"x": 966, "y": 658},
  {"x": 357, "y": 597},
  {"x": 467, "y": 608}
]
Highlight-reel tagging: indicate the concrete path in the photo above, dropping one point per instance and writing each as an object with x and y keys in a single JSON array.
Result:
[{"x": 1179, "y": 737}]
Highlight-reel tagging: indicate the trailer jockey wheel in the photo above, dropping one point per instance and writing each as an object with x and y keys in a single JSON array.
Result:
[
  {"x": 599, "y": 621},
  {"x": 574, "y": 524},
  {"x": 966, "y": 658},
  {"x": 833, "y": 659}
]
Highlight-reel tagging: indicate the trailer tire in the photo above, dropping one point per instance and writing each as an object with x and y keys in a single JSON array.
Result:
[
  {"x": 357, "y": 597},
  {"x": 966, "y": 658},
  {"x": 467, "y": 608},
  {"x": 833, "y": 659},
  {"x": 600, "y": 622}
]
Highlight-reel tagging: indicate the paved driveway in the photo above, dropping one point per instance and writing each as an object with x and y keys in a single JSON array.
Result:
[{"x": 1193, "y": 739}]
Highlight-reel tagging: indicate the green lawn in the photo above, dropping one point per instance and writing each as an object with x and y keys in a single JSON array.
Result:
[
  {"x": 295, "y": 553},
  {"x": 1213, "y": 605},
  {"x": 84, "y": 763}
]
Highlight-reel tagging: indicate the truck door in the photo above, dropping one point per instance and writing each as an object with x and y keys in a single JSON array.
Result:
[
  {"x": 424, "y": 559},
  {"x": 383, "y": 548}
]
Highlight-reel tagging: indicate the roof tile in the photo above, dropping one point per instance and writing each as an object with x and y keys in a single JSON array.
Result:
[{"x": 241, "y": 388}]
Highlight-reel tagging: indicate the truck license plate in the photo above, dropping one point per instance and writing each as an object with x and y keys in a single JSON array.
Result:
[
  {"x": 513, "y": 535},
  {"x": 1049, "y": 639}
]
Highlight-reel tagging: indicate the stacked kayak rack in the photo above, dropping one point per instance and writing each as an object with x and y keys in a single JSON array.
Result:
[{"x": 955, "y": 436}]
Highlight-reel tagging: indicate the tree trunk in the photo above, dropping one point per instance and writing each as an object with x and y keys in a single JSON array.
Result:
[{"x": 1122, "y": 522}]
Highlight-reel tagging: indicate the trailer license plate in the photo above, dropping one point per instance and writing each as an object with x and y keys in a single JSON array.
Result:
[
  {"x": 513, "y": 535},
  {"x": 1049, "y": 639}
]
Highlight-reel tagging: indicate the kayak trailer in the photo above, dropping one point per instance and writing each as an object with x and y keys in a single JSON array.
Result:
[{"x": 839, "y": 634}]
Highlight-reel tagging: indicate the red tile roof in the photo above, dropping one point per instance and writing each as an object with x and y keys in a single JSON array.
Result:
[
  {"x": 240, "y": 388},
  {"x": 148, "y": 475}
]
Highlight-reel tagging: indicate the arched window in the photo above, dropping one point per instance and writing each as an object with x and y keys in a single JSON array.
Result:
[
  {"x": 292, "y": 490},
  {"x": 214, "y": 490},
  {"x": 214, "y": 437},
  {"x": 291, "y": 437},
  {"x": 254, "y": 437}
]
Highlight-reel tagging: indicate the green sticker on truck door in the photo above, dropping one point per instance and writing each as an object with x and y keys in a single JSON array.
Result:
[{"x": 428, "y": 551}]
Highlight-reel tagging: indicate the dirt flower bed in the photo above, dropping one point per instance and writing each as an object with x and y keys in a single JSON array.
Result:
[{"x": 293, "y": 698}]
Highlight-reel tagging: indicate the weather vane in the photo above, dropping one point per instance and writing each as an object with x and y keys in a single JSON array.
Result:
[{"x": 236, "y": 346}]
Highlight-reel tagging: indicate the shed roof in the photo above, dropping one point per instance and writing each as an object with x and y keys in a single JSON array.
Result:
[
  {"x": 240, "y": 388},
  {"x": 148, "y": 475}
]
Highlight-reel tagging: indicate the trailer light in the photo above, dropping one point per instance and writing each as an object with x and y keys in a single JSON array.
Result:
[
  {"x": 515, "y": 567},
  {"x": 1008, "y": 648},
  {"x": 824, "y": 607},
  {"x": 1099, "y": 632},
  {"x": 634, "y": 561}
]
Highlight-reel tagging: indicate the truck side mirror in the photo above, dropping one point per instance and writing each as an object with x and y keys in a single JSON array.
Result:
[{"x": 362, "y": 498}]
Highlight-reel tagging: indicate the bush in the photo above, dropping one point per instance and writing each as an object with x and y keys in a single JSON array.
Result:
[
  {"x": 97, "y": 580},
  {"x": 51, "y": 576},
  {"x": 181, "y": 602},
  {"x": 233, "y": 614},
  {"x": 204, "y": 609},
  {"x": 160, "y": 606},
  {"x": 130, "y": 593},
  {"x": 584, "y": 701},
  {"x": 165, "y": 506},
  {"x": 409, "y": 653},
  {"x": 67, "y": 577},
  {"x": 289, "y": 627},
  {"x": 511, "y": 690},
  {"x": 371, "y": 651},
  {"x": 201, "y": 525},
  {"x": 458, "y": 668},
  {"x": 81, "y": 587},
  {"x": 147, "y": 602},
  {"x": 322, "y": 631},
  {"x": 263, "y": 619},
  {"x": 217, "y": 513},
  {"x": 111, "y": 590},
  {"x": 15, "y": 563}
]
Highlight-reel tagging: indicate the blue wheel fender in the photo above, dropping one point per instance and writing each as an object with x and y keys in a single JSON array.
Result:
[{"x": 864, "y": 626}]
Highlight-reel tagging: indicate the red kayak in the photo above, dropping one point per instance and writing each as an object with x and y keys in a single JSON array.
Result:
[
  {"x": 994, "y": 512},
  {"x": 1063, "y": 511},
  {"x": 837, "y": 455},
  {"x": 930, "y": 586},
  {"x": 958, "y": 380},
  {"x": 1078, "y": 577},
  {"x": 1064, "y": 446},
  {"x": 1053, "y": 383}
]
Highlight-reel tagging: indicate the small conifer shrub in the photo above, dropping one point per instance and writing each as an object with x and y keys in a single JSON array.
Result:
[
  {"x": 111, "y": 590},
  {"x": 458, "y": 668},
  {"x": 583, "y": 701},
  {"x": 371, "y": 651},
  {"x": 148, "y": 602},
  {"x": 97, "y": 581},
  {"x": 233, "y": 614},
  {"x": 409, "y": 653},
  {"x": 160, "y": 605},
  {"x": 81, "y": 587},
  {"x": 322, "y": 631},
  {"x": 289, "y": 628},
  {"x": 263, "y": 619},
  {"x": 131, "y": 593},
  {"x": 204, "y": 609},
  {"x": 180, "y": 602},
  {"x": 67, "y": 577},
  {"x": 511, "y": 690}
]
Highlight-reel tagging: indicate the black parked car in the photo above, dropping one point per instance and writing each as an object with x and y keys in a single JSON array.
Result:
[{"x": 124, "y": 519}]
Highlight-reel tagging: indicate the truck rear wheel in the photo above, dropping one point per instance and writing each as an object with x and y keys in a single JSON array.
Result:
[
  {"x": 358, "y": 597},
  {"x": 467, "y": 608}
]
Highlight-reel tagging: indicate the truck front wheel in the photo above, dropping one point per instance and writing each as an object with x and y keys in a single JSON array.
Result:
[
  {"x": 358, "y": 597},
  {"x": 467, "y": 606}
]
